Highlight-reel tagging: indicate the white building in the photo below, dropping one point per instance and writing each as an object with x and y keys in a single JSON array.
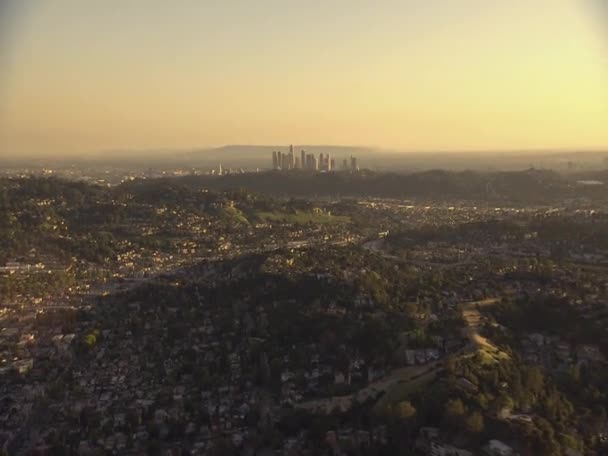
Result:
[{"x": 497, "y": 448}]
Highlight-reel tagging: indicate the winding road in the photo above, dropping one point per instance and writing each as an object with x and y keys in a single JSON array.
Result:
[{"x": 472, "y": 318}]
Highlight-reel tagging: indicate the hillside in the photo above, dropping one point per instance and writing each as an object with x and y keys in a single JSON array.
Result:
[{"x": 530, "y": 186}]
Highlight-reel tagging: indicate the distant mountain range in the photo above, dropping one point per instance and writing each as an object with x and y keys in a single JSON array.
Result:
[
  {"x": 529, "y": 186},
  {"x": 244, "y": 150}
]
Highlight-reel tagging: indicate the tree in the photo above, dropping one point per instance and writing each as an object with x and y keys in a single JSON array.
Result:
[
  {"x": 405, "y": 410},
  {"x": 533, "y": 380},
  {"x": 454, "y": 412},
  {"x": 503, "y": 404},
  {"x": 411, "y": 308},
  {"x": 454, "y": 407},
  {"x": 451, "y": 364},
  {"x": 474, "y": 423}
]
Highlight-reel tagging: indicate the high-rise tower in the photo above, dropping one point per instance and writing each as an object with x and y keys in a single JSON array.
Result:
[{"x": 275, "y": 162}]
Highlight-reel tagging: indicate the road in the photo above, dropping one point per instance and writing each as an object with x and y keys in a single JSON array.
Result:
[
  {"x": 403, "y": 374},
  {"x": 472, "y": 318},
  {"x": 471, "y": 331},
  {"x": 177, "y": 269},
  {"x": 377, "y": 246},
  {"x": 343, "y": 403}
]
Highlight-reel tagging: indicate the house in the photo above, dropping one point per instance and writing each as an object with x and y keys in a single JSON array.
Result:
[
  {"x": 589, "y": 353},
  {"x": 410, "y": 357},
  {"x": 375, "y": 373},
  {"x": 432, "y": 354},
  {"x": 363, "y": 437},
  {"x": 467, "y": 384},
  {"x": 522, "y": 417},
  {"x": 420, "y": 356},
  {"x": 537, "y": 339},
  {"x": 426, "y": 435},
  {"x": 443, "y": 449},
  {"x": 23, "y": 366},
  {"x": 562, "y": 352},
  {"x": 339, "y": 378},
  {"x": 498, "y": 448}
]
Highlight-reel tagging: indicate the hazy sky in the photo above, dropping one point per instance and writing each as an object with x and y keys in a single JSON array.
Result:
[{"x": 79, "y": 76}]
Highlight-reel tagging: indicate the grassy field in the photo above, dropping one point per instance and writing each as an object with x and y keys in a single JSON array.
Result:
[
  {"x": 301, "y": 218},
  {"x": 232, "y": 213}
]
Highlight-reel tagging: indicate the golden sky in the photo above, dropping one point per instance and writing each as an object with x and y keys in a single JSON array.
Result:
[{"x": 84, "y": 76}]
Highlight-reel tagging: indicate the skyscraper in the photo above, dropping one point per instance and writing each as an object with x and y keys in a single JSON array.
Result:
[
  {"x": 303, "y": 158},
  {"x": 275, "y": 162},
  {"x": 329, "y": 161}
]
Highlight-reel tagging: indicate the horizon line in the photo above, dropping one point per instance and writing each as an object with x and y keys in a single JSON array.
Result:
[{"x": 160, "y": 151}]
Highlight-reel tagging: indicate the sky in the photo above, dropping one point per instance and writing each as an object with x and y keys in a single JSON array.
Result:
[{"x": 79, "y": 77}]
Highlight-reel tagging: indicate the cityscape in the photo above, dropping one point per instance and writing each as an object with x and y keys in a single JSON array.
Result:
[{"x": 212, "y": 321}]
